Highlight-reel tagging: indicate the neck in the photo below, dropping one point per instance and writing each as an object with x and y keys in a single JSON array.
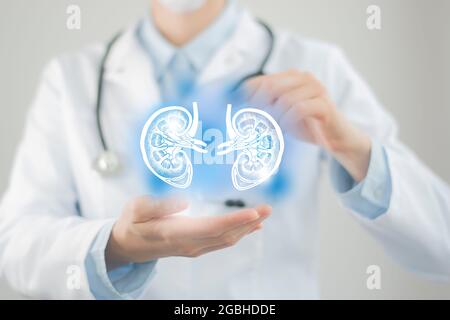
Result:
[{"x": 178, "y": 28}]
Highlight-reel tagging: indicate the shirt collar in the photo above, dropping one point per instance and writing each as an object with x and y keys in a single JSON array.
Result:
[{"x": 198, "y": 51}]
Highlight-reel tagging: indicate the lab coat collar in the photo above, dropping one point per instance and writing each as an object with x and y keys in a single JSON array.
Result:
[
  {"x": 247, "y": 44},
  {"x": 129, "y": 63}
]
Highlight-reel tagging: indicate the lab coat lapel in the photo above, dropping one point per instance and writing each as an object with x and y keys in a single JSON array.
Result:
[
  {"x": 130, "y": 66},
  {"x": 245, "y": 45}
]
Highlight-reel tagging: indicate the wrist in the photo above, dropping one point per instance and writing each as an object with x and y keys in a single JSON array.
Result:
[
  {"x": 354, "y": 154},
  {"x": 114, "y": 253}
]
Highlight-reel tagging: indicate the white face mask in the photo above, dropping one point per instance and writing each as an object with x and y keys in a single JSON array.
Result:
[{"x": 183, "y": 6}]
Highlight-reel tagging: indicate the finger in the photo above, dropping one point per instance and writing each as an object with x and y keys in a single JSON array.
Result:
[
  {"x": 213, "y": 227},
  {"x": 288, "y": 77},
  {"x": 242, "y": 230},
  {"x": 275, "y": 86},
  {"x": 204, "y": 227},
  {"x": 259, "y": 89},
  {"x": 259, "y": 226},
  {"x": 237, "y": 233},
  {"x": 300, "y": 94},
  {"x": 145, "y": 208},
  {"x": 264, "y": 93},
  {"x": 268, "y": 88},
  {"x": 315, "y": 108},
  {"x": 264, "y": 212},
  {"x": 259, "y": 93},
  {"x": 212, "y": 248},
  {"x": 295, "y": 97},
  {"x": 195, "y": 229},
  {"x": 204, "y": 231},
  {"x": 251, "y": 86},
  {"x": 227, "y": 245}
]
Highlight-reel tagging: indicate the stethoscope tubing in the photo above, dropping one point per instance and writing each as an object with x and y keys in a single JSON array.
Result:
[{"x": 98, "y": 103}]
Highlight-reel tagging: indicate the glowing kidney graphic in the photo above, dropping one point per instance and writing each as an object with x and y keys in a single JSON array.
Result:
[
  {"x": 164, "y": 138},
  {"x": 260, "y": 144}
]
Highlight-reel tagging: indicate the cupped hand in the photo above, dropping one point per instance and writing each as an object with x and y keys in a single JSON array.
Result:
[{"x": 150, "y": 228}]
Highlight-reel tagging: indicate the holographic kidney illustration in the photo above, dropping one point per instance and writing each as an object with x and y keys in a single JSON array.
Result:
[
  {"x": 165, "y": 137},
  {"x": 258, "y": 139}
]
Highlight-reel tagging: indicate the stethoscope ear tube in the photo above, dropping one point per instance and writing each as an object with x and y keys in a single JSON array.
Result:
[
  {"x": 98, "y": 103},
  {"x": 262, "y": 66}
]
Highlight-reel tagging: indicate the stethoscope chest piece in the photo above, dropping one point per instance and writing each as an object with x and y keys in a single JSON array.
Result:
[{"x": 107, "y": 163}]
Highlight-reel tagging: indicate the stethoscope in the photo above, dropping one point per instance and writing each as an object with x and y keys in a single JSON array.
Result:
[{"x": 107, "y": 162}]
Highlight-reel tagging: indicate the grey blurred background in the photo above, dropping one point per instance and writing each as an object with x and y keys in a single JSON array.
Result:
[{"x": 406, "y": 63}]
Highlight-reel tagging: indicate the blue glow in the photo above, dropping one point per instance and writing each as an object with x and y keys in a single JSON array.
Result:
[{"x": 211, "y": 178}]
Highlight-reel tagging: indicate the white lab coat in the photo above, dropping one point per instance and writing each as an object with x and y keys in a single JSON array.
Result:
[{"x": 56, "y": 203}]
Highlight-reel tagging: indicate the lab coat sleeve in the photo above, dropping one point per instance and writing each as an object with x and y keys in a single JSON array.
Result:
[
  {"x": 43, "y": 239},
  {"x": 126, "y": 282},
  {"x": 370, "y": 197},
  {"x": 415, "y": 228}
]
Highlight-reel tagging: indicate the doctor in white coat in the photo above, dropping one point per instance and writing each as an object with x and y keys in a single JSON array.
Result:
[{"x": 68, "y": 232}]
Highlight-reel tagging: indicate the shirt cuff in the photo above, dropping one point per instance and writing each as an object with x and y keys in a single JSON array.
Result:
[
  {"x": 126, "y": 282},
  {"x": 372, "y": 196}
]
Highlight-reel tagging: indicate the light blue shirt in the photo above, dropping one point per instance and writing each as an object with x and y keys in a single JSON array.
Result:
[{"x": 172, "y": 66}]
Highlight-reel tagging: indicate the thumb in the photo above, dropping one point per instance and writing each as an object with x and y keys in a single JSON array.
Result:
[
  {"x": 251, "y": 86},
  {"x": 144, "y": 208}
]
